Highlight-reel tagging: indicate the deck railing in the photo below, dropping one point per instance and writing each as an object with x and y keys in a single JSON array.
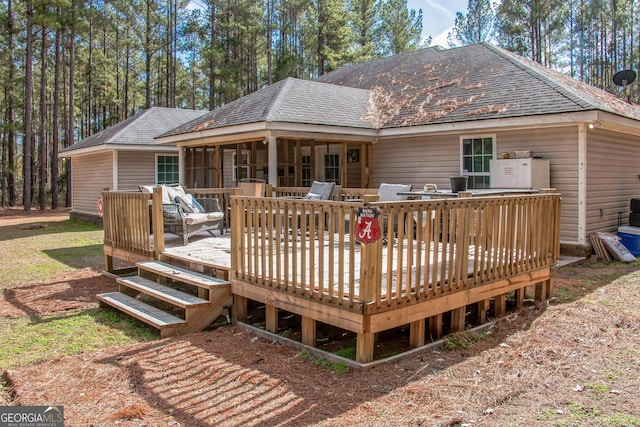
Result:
[
  {"x": 429, "y": 248},
  {"x": 133, "y": 222},
  {"x": 127, "y": 222}
]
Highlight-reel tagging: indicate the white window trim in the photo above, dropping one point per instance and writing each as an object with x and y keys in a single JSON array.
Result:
[
  {"x": 156, "y": 164},
  {"x": 461, "y": 150},
  {"x": 234, "y": 164}
]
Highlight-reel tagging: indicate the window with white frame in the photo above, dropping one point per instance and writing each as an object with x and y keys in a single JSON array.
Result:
[
  {"x": 167, "y": 169},
  {"x": 306, "y": 171},
  {"x": 477, "y": 153},
  {"x": 240, "y": 171},
  {"x": 332, "y": 168}
]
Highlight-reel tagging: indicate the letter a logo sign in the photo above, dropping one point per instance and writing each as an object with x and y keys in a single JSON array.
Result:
[{"x": 367, "y": 228}]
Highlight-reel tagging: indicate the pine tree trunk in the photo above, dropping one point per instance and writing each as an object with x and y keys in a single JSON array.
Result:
[
  {"x": 28, "y": 85},
  {"x": 44, "y": 149},
  {"x": 11, "y": 135},
  {"x": 68, "y": 140},
  {"x": 55, "y": 172}
]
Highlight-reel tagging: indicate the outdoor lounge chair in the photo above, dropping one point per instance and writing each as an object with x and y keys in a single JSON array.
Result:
[{"x": 184, "y": 215}]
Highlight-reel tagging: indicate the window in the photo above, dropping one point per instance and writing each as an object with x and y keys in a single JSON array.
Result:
[
  {"x": 240, "y": 171},
  {"x": 306, "y": 171},
  {"x": 167, "y": 169},
  {"x": 476, "y": 159},
  {"x": 332, "y": 168}
]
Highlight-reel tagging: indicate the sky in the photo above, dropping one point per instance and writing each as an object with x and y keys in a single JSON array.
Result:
[{"x": 438, "y": 17}]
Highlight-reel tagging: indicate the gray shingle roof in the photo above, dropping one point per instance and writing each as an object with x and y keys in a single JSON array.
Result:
[
  {"x": 436, "y": 85},
  {"x": 288, "y": 101},
  {"x": 140, "y": 129}
]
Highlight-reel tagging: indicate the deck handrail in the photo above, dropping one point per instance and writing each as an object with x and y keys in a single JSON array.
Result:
[
  {"x": 127, "y": 222},
  {"x": 433, "y": 247},
  {"x": 133, "y": 220}
]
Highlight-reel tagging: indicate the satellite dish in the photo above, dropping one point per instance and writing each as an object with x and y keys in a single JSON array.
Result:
[{"x": 624, "y": 77}]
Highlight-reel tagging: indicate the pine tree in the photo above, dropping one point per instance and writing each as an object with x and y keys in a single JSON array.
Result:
[
  {"x": 401, "y": 28},
  {"x": 474, "y": 27}
]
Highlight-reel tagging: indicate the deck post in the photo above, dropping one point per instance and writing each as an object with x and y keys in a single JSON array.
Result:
[
  {"x": 541, "y": 290},
  {"x": 157, "y": 221},
  {"x": 416, "y": 333},
  {"x": 370, "y": 283},
  {"x": 240, "y": 311},
  {"x": 500, "y": 305},
  {"x": 309, "y": 331},
  {"x": 271, "y": 318},
  {"x": 483, "y": 307},
  {"x": 519, "y": 296},
  {"x": 364, "y": 347},
  {"x": 457, "y": 319},
  {"x": 435, "y": 326}
]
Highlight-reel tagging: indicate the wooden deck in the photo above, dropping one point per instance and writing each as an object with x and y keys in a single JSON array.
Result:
[{"x": 440, "y": 256}]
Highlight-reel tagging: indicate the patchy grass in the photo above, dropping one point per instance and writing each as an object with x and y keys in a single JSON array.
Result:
[
  {"x": 463, "y": 340},
  {"x": 38, "y": 250},
  {"x": 29, "y": 340}
]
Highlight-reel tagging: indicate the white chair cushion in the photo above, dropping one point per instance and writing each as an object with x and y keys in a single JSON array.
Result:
[{"x": 199, "y": 218}]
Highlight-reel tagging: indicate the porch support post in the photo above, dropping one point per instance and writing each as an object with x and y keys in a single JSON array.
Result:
[
  {"x": 483, "y": 307},
  {"x": 181, "y": 166},
  {"x": 457, "y": 319},
  {"x": 416, "y": 333},
  {"x": 309, "y": 331},
  {"x": 543, "y": 290},
  {"x": 364, "y": 347},
  {"x": 272, "y": 148},
  {"x": 239, "y": 312},
  {"x": 519, "y": 296},
  {"x": 271, "y": 318},
  {"x": 435, "y": 326},
  {"x": 500, "y": 305}
]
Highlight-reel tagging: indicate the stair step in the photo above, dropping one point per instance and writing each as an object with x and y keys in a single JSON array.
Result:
[
  {"x": 182, "y": 274},
  {"x": 162, "y": 292},
  {"x": 141, "y": 311}
]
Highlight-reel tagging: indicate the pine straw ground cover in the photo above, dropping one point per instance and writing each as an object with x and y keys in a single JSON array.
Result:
[{"x": 568, "y": 364}]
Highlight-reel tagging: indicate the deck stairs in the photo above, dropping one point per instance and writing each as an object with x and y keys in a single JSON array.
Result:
[{"x": 172, "y": 299}]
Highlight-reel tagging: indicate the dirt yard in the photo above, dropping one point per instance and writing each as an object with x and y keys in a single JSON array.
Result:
[{"x": 563, "y": 363}]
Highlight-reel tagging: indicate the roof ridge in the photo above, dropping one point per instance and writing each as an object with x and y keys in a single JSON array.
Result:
[
  {"x": 571, "y": 95},
  {"x": 280, "y": 96},
  {"x": 133, "y": 118}
]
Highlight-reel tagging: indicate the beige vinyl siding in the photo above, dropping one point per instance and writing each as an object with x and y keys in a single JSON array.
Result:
[
  {"x": 613, "y": 168},
  {"x": 559, "y": 145},
  {"x": 416, "y": 160},
  {"x": 433, "y": 159},
  {"x": 136, "y": 168},
  {"x": 91, "y": 173}
]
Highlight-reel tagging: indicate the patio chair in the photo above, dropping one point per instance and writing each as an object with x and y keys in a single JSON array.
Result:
[
  {"x": 318, "y": 191},
  {"x": 389, "y": 193},
  {"x": 185, "y": 215}
]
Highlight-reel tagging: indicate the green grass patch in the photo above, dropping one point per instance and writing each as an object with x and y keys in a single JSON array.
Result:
[
  {"x": 579, "y": 415},
  {"x": 462, "y": 340},
  {"x": 329, "y": 366},
  {"x": 346, "y": 352},
  {"x": 29, "y": 340},
  {"x": 29, "y": 254}
]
